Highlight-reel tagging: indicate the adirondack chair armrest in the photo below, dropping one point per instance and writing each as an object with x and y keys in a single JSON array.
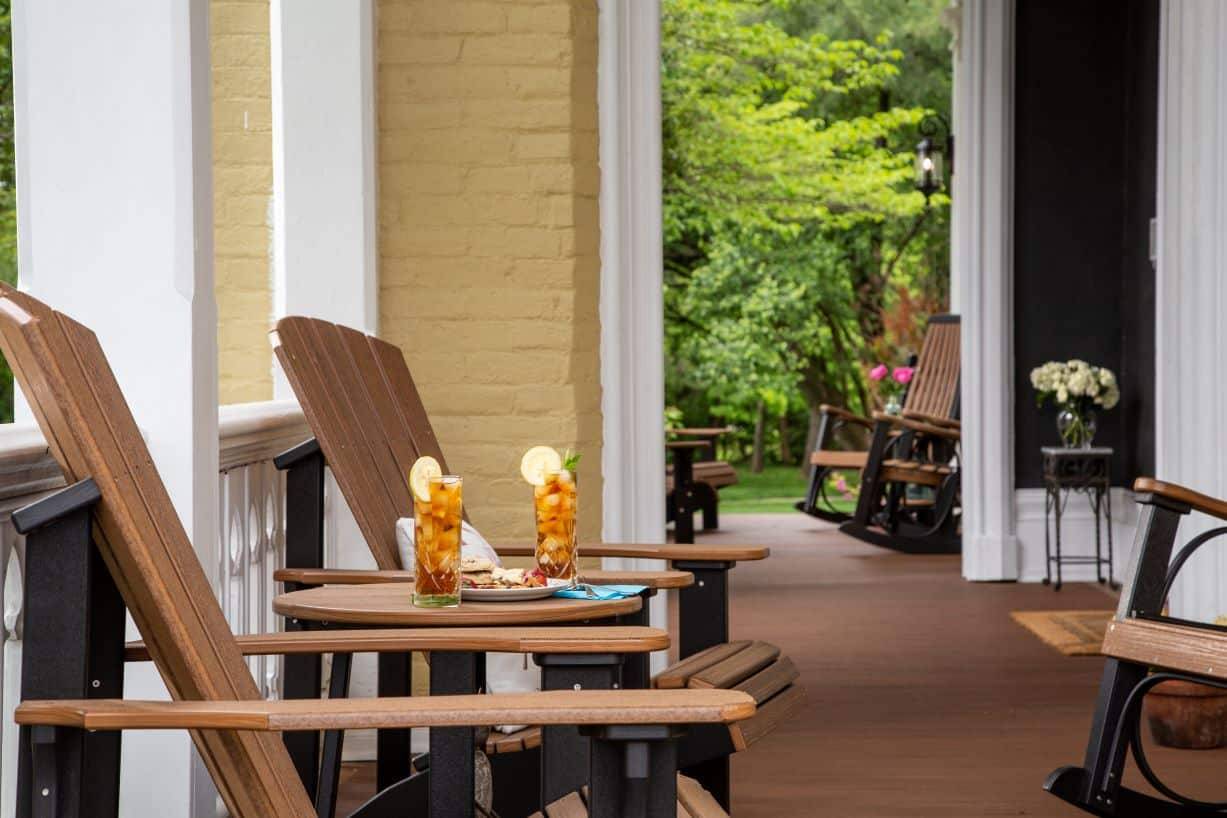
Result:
[
  {"x": 544, "y": 640},
  {"x": 1184, "y": 647},
  {"x": 932, "y": 420},
  {"x": 726, "y": 553},
  {"x": 714, "y": 431},
  {"x": 1181, "y": 495},
  {"x": 565, "y": 707},
  {"x": 845, "y": 415},
  {"x": 314, "y": 577},
  {"x": 687, "y": 444},
  {"x": 917, "y": 426}
]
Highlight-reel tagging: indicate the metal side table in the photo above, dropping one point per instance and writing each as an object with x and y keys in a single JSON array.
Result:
[{"x": 1077, "y": 471}]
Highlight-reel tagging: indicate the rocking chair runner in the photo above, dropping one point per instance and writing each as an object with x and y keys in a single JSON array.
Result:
[
  {"x": 1145, "y": 648},
  {"x": 932, "y": 398},
  {"x": 113, "y": 540},
  {"x": 912, "y": 450},
  {"x": 361, "y": 402}
]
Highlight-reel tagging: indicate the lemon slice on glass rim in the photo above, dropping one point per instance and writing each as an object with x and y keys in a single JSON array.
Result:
[
  {"x": 539, "y": 461},
  {"x": 420, "y": 473}
]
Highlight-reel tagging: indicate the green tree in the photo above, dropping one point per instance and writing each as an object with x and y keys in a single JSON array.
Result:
[{"x": 789, "y": 212}]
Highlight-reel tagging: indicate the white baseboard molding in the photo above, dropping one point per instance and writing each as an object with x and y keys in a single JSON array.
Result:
[
  {"x": 987, "y": 558},
  {"x": 1077, "y": 533}
]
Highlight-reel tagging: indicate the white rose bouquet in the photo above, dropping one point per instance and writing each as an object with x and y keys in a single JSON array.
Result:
[{"x": 1077, "y": 389}]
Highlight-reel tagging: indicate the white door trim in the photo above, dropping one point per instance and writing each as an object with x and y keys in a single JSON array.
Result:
[{"x": 983, "y": 268}]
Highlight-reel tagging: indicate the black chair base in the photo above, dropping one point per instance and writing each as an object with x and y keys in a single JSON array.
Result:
[
  {"x": 701, "y": 498},
  {"x": 1069, "y": 783},
  {"x": 836, "y": 517},
  {"x": 410, "y": 796},
  {"x": 903, "y": 542}
]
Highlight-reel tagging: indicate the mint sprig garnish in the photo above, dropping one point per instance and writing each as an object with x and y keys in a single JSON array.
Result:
[{"x": 570, "y": 460}]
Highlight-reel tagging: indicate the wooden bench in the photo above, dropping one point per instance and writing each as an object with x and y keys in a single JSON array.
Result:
[
  {"x": 111, "y": 543},
  {"x": 372, "y": 428},
  {"x": 1145, "y": 648}
]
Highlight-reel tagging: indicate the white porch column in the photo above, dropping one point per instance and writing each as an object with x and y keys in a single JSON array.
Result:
[
  {"x": 632, "y": 299},
  {"x": 324, "y": 252},
  {"x": 1191, "y": 300},
  {"x": 115, "y": 229},
  {"x": 982, "y": 259},
  {"x": 324, "y": 218}
]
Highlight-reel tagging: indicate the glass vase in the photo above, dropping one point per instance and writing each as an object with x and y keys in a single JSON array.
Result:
[
  {"x": 1077, "y": 428},
  {"x": 893, "y": 405}
]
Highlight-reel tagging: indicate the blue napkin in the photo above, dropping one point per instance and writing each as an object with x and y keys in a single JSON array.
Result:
[{"x": 602, "y": 592}]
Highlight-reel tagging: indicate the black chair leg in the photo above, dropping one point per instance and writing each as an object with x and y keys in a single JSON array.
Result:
[
  {"x": 633, "y": 771},
  {"x": 709, "y": 500},
  {"x": 73, "y": 649}
]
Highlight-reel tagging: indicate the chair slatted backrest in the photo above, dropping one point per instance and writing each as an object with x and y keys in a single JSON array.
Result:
[
  {"x": 365, "y": 410},
  {"x": 935, "y": 390},
  {"x": 91, "y": 432}
]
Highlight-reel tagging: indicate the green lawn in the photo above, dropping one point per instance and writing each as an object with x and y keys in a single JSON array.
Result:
[{"x": 773, "y": 491}]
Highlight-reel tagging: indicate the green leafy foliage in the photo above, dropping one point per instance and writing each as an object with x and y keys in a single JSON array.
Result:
[{"x": 793, "y": 231}]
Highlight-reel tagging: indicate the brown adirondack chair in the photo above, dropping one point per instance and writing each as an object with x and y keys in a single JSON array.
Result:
[
  {"x": 367, "y": 416},
  {"x": 918, "y": 448},
  {"x": 1145, "y": 648},
  {"x": 112, "y": 541}
]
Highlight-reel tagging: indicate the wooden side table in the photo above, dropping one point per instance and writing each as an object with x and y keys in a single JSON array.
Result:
[{"x": 1077, "y": 471}]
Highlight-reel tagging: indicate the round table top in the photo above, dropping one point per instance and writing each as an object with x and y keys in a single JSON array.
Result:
[{"x": 391, "y": 604}]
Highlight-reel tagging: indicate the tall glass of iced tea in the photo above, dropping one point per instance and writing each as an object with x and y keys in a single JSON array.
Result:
[
  {"x": 554, "y": 503},
  {"x": 437, "y": 543}
]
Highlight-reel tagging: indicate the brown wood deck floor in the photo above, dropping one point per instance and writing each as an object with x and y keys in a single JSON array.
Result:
[{"x": 925, "y": 699}]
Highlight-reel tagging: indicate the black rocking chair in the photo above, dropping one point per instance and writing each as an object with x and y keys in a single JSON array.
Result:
[{"x": 1144, "y": 649}]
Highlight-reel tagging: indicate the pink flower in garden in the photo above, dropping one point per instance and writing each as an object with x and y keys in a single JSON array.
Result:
[
  {"x": 841, "y": 485},
  {"x": 903, "y": 374},
  {"x": 878, "y": 372}
]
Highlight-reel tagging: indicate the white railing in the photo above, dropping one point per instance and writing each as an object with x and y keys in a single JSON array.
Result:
[
  {"x": 251, "y": 506},
  {"x": 251, "y": 500}
]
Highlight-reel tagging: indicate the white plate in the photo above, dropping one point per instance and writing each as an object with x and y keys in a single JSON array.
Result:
[{"x": 513, "y": 594}]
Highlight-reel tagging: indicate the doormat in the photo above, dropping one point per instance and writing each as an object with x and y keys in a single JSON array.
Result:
[{"x": 1074, "y": 633}]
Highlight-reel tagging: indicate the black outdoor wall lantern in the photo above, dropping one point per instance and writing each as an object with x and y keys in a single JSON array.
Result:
[{"x": 929, "y": 176}]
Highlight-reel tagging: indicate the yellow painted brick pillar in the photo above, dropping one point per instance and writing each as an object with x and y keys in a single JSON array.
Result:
[
  {"x": 489, "y": 235},
  {"x": 242, "y": 195}
]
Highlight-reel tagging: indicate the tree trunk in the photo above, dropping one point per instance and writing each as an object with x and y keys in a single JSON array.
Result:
[
  {"x": 811, "y": 437},
  {"x": 760, "y": 422},
  {"x": 785, "y": 449}
]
